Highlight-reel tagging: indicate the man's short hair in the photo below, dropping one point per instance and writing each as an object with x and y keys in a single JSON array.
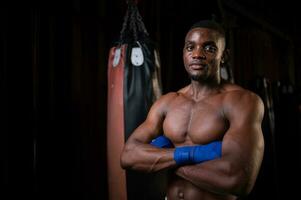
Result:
[{"x": 211, "y": 25}]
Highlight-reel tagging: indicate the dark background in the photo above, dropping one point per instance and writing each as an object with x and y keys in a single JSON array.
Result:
[{"x": 54, "y": 85}]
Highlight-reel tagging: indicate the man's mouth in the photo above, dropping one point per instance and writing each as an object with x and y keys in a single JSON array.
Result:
[{"x": 197, "y": 66}]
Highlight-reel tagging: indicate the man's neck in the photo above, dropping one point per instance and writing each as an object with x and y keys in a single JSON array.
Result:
[{"x": 202, "y": 89}]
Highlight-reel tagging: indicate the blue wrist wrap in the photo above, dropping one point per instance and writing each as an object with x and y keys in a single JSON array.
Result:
[
  {"x": 161, "y": 142},
  {"x": 197, "y": 154}
]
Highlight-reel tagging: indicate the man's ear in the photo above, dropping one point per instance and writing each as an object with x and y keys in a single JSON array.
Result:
[
  {"x": 225, "y": 56},
  {"x": 223, "y": 59}
]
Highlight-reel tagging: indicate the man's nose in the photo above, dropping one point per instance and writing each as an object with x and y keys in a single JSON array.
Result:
[{"x": 198, "y": 54}]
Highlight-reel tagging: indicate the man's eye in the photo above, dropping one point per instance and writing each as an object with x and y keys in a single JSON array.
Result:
[
  {"x": 189, "y": 48},
  {"x": 210, "y": 49}
]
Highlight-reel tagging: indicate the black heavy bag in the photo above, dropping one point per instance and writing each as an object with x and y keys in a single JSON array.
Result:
[{"x": 133, "y": 85}]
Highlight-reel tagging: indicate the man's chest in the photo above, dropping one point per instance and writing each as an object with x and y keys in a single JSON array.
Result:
[{"x": 195, "y": 123}]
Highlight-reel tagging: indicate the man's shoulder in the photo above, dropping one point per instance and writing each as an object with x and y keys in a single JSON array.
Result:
[
  {"x": 236, "y": 94},
  {"x": 170, "y": 97},
  {"x": 162, "y": 104},
  {"x": 183, "y": 90},
  {"x": 230, "y": 87},
  {"x": 240, "y": 103},
  {"x": 173, "y": 95},
  {"x": 166, "y": 99}
]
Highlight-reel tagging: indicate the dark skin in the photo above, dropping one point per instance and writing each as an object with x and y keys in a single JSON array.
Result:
[{"x": 204, "y": 111}]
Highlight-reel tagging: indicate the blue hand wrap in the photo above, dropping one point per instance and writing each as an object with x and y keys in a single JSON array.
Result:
[
  {"x": 161, "y": 142},
  {"x": 197, "y": 154}
]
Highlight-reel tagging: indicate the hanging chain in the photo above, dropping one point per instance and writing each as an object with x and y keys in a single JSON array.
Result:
[
  {"x": 132, "y": 24},
  {"x": 124, "y": 26},
  {"x": 140, "y": 23}
]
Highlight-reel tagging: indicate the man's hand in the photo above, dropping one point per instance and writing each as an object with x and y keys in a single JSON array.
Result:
[
  {"x": 162, "y": 142},
  {"x": 190, "y": 154},
  {"x": 197, "y": 154}
]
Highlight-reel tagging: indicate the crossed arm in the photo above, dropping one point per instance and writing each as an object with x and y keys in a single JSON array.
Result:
[
  {"x": 234, "y": 172},
  {"x": 138, "y": 154},
  {"x": 242, "y": 152}
]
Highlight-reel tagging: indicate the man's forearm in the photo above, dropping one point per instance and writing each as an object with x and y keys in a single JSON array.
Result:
[
  {"x": 212, "y": 176},
  {"x": 159, "y": 154},
  {"x": 147, "y": 158}
]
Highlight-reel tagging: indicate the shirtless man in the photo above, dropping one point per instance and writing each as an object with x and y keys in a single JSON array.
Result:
[{"x": 203, "y": 112}]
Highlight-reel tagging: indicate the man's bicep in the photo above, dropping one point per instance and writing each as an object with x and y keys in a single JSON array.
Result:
[
  {"x": 145, "y": 132},
  {"x": 151, "y": 127},
  {"x": 243, "y": 148},
  {"x": 243, "y": 143}
]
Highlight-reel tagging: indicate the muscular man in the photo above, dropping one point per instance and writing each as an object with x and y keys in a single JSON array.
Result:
[{"x": 214, "y": 127}]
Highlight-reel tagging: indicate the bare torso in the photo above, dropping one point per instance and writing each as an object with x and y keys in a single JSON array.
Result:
[
  {"x": 180, "y": 189},
  {"x": 190, "y": 122},
  {"x": 207, "y": 110}
]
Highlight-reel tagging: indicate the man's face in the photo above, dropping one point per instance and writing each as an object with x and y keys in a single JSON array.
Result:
[{"x": 202, "y": 53}]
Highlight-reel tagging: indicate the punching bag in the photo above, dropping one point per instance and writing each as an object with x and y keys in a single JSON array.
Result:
[{"x": 133, "y": 85}]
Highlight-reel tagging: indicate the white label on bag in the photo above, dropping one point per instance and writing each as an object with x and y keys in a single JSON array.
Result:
[
  {"x": 116, "y": 57},
  {"x": 137, "y": 58}
]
